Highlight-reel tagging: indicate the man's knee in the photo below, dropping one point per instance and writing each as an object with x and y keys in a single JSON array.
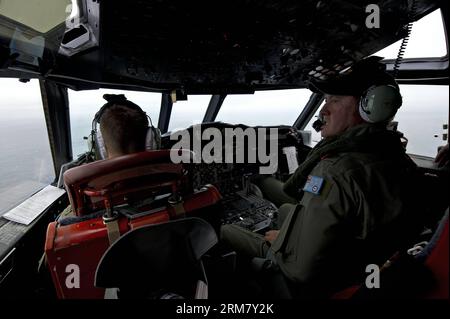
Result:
[
  {"x": 225, "y": 232},
  {"x": 233, "y": 234},
  {"x": 283, "y": 211},
  {"x": 242, "y": 240}
]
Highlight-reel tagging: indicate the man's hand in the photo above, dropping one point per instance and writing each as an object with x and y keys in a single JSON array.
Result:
[
  {"x": 442, "y": 157},
  {"x": 271, "y": 235}
]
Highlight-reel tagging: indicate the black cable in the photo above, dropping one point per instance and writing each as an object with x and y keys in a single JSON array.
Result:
[{"x": 402, "y": 49}]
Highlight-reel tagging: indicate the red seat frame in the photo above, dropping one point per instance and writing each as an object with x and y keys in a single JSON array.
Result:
[
  {"x": 107, "y": 183},
  {"x": 139, "y": 173}
]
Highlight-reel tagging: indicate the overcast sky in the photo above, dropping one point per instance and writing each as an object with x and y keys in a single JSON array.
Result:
[{"x": 427, "y": 39}]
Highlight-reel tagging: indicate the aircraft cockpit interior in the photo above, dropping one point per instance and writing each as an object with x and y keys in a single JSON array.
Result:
[{"x": 218, "y": 106}]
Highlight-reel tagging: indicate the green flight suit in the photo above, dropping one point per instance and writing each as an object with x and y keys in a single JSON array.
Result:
[{"x": 359, "y": 215}]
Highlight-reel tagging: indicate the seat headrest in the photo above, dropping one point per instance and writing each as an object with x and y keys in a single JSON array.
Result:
[{"x": 138, "y": 170}]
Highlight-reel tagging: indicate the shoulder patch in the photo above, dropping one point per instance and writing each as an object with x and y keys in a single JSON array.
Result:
[{"x": 313, "y": 184}]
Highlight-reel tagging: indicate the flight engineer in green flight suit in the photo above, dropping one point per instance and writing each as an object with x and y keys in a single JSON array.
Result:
[{"x": 351, "y": 202}]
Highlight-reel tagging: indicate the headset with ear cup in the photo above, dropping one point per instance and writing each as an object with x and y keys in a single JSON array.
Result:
[
  {"x": 95, "y": 140},
  {"x": 379, "y": 103}
]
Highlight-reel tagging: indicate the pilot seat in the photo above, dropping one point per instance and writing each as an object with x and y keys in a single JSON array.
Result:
[
  {"x": 111, "y": 197},
  {"x": 139, "y": 265}
]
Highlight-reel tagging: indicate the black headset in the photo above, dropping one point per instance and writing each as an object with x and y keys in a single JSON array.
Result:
[{"x": 95, "y": 140}]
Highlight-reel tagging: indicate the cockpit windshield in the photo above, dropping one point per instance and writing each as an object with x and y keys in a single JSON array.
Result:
[{"x": 279, "y": 107}]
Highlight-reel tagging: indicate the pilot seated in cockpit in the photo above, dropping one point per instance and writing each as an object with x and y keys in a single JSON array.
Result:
[
  {"x": 354, "y": 195},
  {"x": 123, "y": 130}
]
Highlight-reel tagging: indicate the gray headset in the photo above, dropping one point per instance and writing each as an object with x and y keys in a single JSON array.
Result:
[
  {"x": 379, "y": 103},
  {"x": 95, "y": 140}
]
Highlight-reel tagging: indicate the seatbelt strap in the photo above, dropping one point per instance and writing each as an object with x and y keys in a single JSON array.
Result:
[
  {"x": 178, "y": 208},
  {"x": 201, "y": 291},
  {"x": 177, "y": 204},
  {"x": 111, "y": 221},
  {"x": 112, "y": 227}
]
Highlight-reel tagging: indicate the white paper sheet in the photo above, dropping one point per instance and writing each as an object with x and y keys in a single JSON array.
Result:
[
  {"x": 31, "y": 208},
  {"x": 291, "y": 158}
]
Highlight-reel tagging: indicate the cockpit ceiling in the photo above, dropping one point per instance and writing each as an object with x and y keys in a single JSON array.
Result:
[{"x": 231, "y": 46}]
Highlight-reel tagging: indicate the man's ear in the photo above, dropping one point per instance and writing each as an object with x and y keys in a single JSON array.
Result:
[
  {"x": 357, "y": 115},
  {"x": 106, "y": 150}
]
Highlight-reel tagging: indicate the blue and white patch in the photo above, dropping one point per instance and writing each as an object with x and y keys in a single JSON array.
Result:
[{"x": 313, "y": 184}]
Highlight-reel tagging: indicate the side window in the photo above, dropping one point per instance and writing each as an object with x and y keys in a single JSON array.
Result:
[
  {"x": 422, "y": 116},
  {"x": 26, "y": 164},
  {"x": 427, "y": 39},
  {"x": 84, "y": 105}
]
